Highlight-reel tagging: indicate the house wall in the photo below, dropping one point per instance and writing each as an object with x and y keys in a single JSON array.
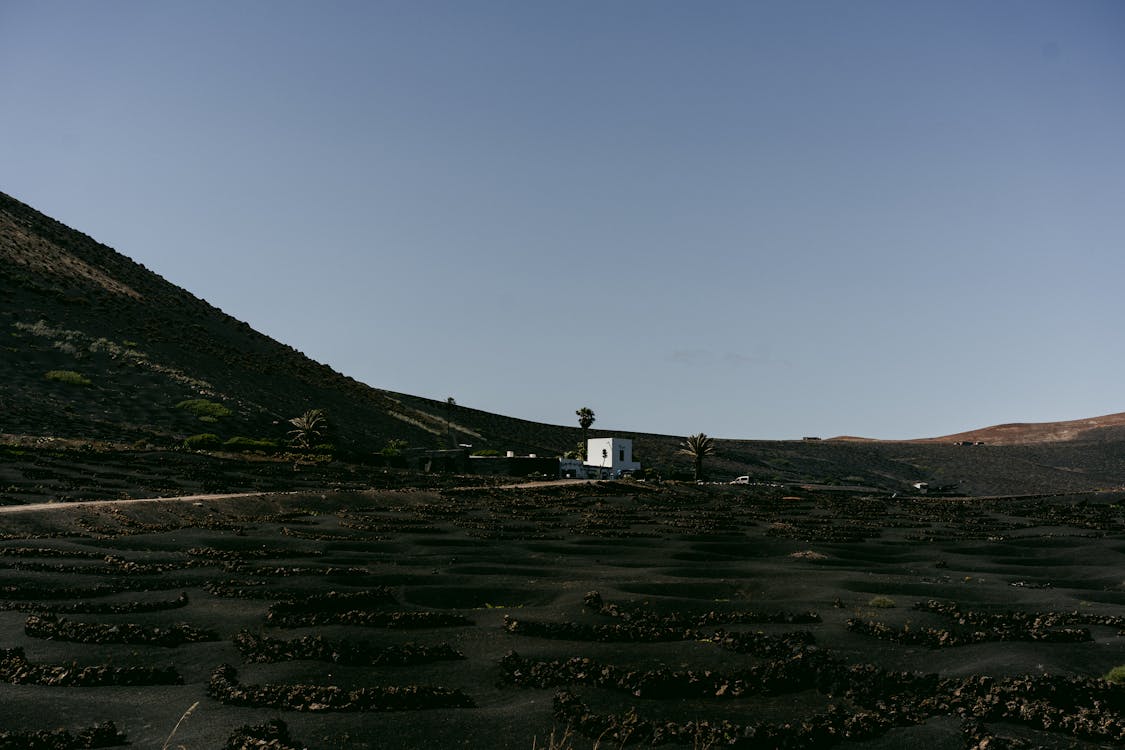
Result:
[
  {"x": 572, "y": 468},
  {"x": 617, "y": 456}
]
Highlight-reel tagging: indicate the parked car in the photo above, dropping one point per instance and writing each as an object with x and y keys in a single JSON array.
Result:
[{"x": 741, "y": 480}]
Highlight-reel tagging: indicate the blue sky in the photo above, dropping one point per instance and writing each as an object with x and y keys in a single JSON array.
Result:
[{"x": 752, "y": 219}]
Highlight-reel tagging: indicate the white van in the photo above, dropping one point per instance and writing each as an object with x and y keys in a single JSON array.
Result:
[{"x": 741, "y": 480}]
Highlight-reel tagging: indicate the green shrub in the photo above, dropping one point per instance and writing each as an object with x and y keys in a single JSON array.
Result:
[
  {"x": 883, "y": 602},
  {"x": 240, "y": 443},
  {"x": 487, "y": 452},
  {"x": 205, "y": 441},
  {"x": 206, "y": 411},
  {"x": 394, "y": 448},
  {"x": 68, "y": 376},
  {"x": 1116, "y": 675}
]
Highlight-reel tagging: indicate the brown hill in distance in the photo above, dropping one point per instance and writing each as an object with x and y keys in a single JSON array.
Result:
[
  {"x": 1026, "y": 433},
  {"x": 1021, "y": 433}
]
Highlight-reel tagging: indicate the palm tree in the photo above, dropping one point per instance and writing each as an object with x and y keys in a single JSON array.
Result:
[
  {"x": 698, "y": 447},
  {"x": 585, "y": 419},
  {"x": 308, "y": 427}
]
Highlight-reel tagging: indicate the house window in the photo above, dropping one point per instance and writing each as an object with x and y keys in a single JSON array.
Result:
[{"x": 621, "y": 455}]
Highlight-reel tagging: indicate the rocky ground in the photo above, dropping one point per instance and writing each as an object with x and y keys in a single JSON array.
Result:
[{"x": 619, "y": 613}]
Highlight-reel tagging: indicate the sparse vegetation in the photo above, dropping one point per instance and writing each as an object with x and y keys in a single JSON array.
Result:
[
  {"x": 555, "y": 741},
  {"x": 881, "y": 602},
  {"x": 203, "y": 442},
  {"x": 204, "y": 410},
  {"x": 186, "y": 714},
  {"x": 70, "y": 377},
  {"x": 487, "y": 452},
  {"x": 240, "y": 443},
  {"x": 1116, "y": 675},
  {"x": 394, "y": 448}
]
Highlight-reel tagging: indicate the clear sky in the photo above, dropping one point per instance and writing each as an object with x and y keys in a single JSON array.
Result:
[{"x": 753, "y": 219}]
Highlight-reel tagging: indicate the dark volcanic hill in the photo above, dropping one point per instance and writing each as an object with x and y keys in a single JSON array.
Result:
[
  {"x": 95, "y": 347},
  {"x": 70, "y": 304}
]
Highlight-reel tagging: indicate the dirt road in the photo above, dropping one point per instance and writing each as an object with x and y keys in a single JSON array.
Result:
[
  {"x": 31, "y": 507},
  {"x": 96, "y": 503}
]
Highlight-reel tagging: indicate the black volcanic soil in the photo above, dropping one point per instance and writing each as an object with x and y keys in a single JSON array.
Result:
[{"x": 702, "y": 616}]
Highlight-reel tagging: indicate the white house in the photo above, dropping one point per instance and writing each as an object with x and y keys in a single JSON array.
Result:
[{"x": 610, "y": 456}]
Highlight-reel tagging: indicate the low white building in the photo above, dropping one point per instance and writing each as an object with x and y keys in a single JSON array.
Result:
[
  {"x": 610, "y": 457},
  {"x": 571, "y": 468}
]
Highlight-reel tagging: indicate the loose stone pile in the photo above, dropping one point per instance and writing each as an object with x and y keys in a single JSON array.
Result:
[
  {"x": 357, "y": 653},
  {"x": 97, "y": 608},
  {"x": 60, "y": 629},
  {"x": 1083, "y": 708},
  {"x": 15, "y": 669},
  {"x": 982, "y": 627},
  {"x": 822, "y": 730},
  {"x": 273, "y": 735},
  {"x": 867, "y": 700},
  {"x": 335, "y": 608},
  {"x": 241, "y": 589},
  {"x": 941, "y": 638},
  {"x": 99, "y": 735},
  {"x": 109, "y": 565},
  {"x": 1018, "y": 619},
  {"x": 593, "y": 600},
  {"x": 771, "y": 678},
  {"x": 613, "y": 633},
  {"x": 224, "y": 686}
]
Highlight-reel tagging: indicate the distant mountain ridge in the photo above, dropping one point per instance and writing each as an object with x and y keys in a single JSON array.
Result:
[
  {"x": 1026, "y": 433},
  {"x": 1022, "y": 433}
]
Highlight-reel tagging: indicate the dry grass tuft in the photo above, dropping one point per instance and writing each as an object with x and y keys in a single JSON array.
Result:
[{"x": 189, "y": 712}]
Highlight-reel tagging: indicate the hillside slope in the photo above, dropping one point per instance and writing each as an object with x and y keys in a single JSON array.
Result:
[
  {"x": 95, "y": 347},
  {"x": 71, "y": 304}
]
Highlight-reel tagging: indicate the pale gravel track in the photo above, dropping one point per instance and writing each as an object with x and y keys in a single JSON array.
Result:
[
  {"x": 32, "y": 507},
  {"x": 130, "y": 501}
]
